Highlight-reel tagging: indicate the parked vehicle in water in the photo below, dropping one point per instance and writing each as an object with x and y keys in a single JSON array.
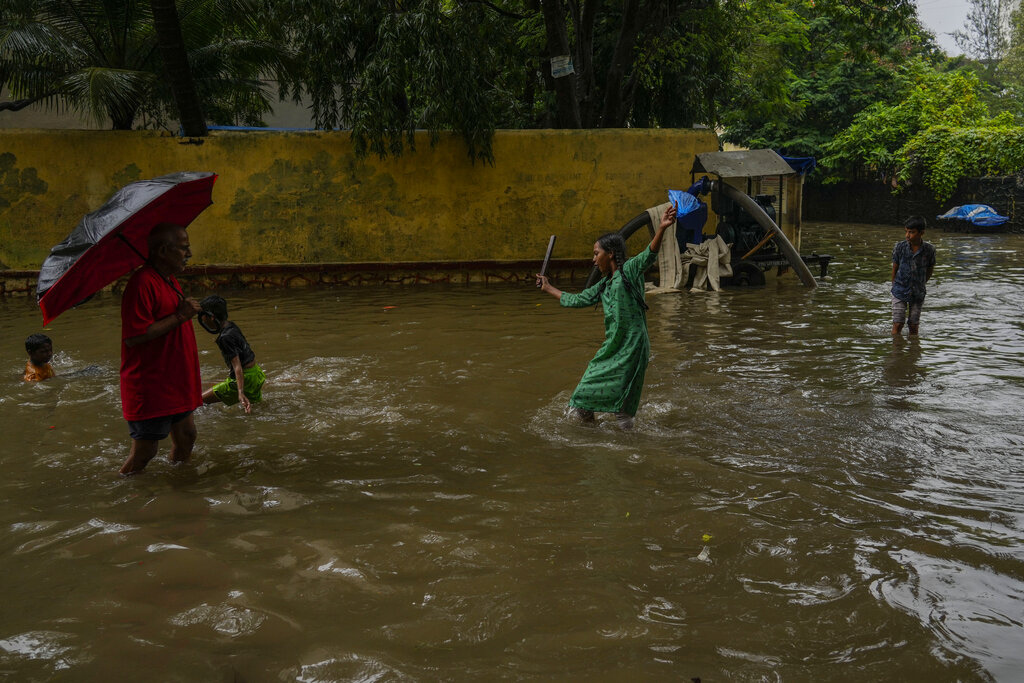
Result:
[{"x": 973, "y": 218}]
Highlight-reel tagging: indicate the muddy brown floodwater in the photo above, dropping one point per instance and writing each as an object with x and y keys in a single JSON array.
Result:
[{"x": 803, "y": 498}]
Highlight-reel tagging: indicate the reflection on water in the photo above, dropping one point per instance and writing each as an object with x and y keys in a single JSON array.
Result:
[
  {"x": 903, "y": 367},
  {"x": 804, "y": 497}
]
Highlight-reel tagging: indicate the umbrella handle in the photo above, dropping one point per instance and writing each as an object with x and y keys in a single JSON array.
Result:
[{"x": 205, "y": 325}]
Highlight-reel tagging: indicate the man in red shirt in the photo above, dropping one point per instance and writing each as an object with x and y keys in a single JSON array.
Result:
[{"x": 160, "y": 382}]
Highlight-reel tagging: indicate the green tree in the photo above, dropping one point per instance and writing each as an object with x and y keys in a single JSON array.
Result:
[
  {"x": 100, "y": 58},
  {"x": 984, "y": 35},
  {"x": 1011, "y": 69},
  {"x": 1013, "y": 62},
  {"x": 942, "y": 155},
  {"x": 875, "y": 140},
  {"x": 939, "y": 132},
  {"x": 680, "y": 64},
  {"x": 841, "y": 58},
  {"x": 387, "y": 69},
  {"x": 610, "y": 44}
]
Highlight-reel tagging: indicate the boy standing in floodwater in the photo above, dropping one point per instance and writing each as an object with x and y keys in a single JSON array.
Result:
[
  {"x": 40, "y": 351},
  {"x": 245, "y": 381},
  {"x": 913, "y": 261}
]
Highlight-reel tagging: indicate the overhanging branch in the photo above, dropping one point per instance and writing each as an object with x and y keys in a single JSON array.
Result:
[{"x": 18, "y": 105}]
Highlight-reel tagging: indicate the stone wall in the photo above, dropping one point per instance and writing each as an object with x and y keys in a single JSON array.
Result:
[
  {"x": 201, "y": 280},
  {"x": 867, "y": 202}
]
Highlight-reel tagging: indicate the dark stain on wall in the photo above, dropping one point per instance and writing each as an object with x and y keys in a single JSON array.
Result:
[
  {"x": 127, "y": 175},
  {"x": 19, "y": 208},
  {"x": 305, "y": 209},
  {"x": 16, "y": 184}
]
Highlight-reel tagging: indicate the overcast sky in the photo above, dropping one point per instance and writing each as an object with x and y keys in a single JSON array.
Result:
[{"x": 942, "y": 17}]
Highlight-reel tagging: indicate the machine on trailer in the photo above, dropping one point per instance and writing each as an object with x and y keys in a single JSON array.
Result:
[
  {"x": 755, "y": 207},
  {"x": 756, "y": 198}
]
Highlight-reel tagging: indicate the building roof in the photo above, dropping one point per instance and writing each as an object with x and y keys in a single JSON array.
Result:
[{"x": 745, "y": 163}]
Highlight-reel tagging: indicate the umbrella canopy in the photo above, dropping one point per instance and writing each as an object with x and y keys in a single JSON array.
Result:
[{"x": 111, "y": 241}]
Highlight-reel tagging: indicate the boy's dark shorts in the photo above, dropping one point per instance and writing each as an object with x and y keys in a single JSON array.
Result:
[{"x": 155, "y": 428}]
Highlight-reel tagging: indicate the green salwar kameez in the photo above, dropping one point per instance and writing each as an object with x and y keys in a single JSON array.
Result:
[{"x": 614, "y": 378}]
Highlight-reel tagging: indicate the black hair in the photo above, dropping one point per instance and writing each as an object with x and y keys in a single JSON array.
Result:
[
  {"x": 614, "y": 243},
  {"x": 36, "y": 341},
  {"x": 215, "y": 306},
  {"x": 917, "y": 223}
]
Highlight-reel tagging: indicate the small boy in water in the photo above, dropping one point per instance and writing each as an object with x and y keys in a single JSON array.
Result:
[
  {"x": 245, "y": 379},
  {"x": 913, "y": 261},
  {"x": 40, "y": 351}
]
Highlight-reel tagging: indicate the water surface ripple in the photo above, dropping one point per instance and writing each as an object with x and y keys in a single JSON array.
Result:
[{"x": 803, "y": 499}]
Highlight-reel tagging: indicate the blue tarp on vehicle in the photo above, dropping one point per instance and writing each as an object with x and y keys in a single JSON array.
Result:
[
  {"x": 802, "y": 165},
  {"x": 978, "y": 214}
]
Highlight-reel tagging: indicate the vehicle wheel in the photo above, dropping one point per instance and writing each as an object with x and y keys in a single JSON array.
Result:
[{"x": 747, "y": 274}]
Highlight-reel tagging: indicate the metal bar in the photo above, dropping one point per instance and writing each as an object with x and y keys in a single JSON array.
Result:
[
  {"x": 547, "y": 256},
  {"x": 760, "y": 244}
]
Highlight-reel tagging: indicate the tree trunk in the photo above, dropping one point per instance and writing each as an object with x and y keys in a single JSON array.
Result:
[
  {"x": 586, "y": 83},
  {"x": 567, "y": 106},
  {"x": 614, "y": 113},
  {"x": 179, "y": 75}
]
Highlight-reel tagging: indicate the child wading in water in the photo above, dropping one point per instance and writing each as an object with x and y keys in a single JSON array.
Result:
[
  {"x": 245, "y": 381},
  {"x": 40, "y": 351},
  {"x": 615, "y": 377}
]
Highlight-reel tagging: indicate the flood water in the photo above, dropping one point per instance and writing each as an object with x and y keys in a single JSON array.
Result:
[{"x": 803, "y": 498}]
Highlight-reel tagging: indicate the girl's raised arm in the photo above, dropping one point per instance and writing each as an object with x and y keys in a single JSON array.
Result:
[{"x": 667, "y": 219}]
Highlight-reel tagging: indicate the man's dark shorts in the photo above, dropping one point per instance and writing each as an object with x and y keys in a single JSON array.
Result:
[{"x": 155, "y": 428}]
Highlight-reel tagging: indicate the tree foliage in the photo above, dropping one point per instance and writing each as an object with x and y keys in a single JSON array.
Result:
[
  {"x": 942, "y": 155},
  {"x": 985, "y": 32},
  {"x": 99, "y": 58},
  {"x": 1011, "y": 69},
  {"x": 612, "y": 46},
  {"x": 387, "y": 69},
  {"x": 941, "y": 131},
  {"x": 848, "y": 57}
]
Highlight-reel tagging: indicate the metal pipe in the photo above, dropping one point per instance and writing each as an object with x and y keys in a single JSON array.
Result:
[{"x": 765, "y": 221}]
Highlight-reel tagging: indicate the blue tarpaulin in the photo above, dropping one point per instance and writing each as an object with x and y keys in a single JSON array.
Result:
[
  {"x": 802, "y": 165},
  {"x": 978, "y": 214}
]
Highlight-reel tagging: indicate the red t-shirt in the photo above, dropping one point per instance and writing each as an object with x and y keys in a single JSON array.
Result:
[{"x": 159, "y": 377}]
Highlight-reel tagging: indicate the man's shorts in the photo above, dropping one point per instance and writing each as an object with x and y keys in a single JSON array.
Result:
[
  {"x": 155, "y": 428},
  {"x": 899, "y": 311},
  {"x": 227, "y": 391}
]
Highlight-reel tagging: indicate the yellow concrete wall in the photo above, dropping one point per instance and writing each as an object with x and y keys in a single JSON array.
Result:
[{"x": 305, "y": 198}]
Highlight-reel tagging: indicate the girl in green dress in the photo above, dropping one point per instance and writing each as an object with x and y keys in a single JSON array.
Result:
[{"x": 615, "y": 377}]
